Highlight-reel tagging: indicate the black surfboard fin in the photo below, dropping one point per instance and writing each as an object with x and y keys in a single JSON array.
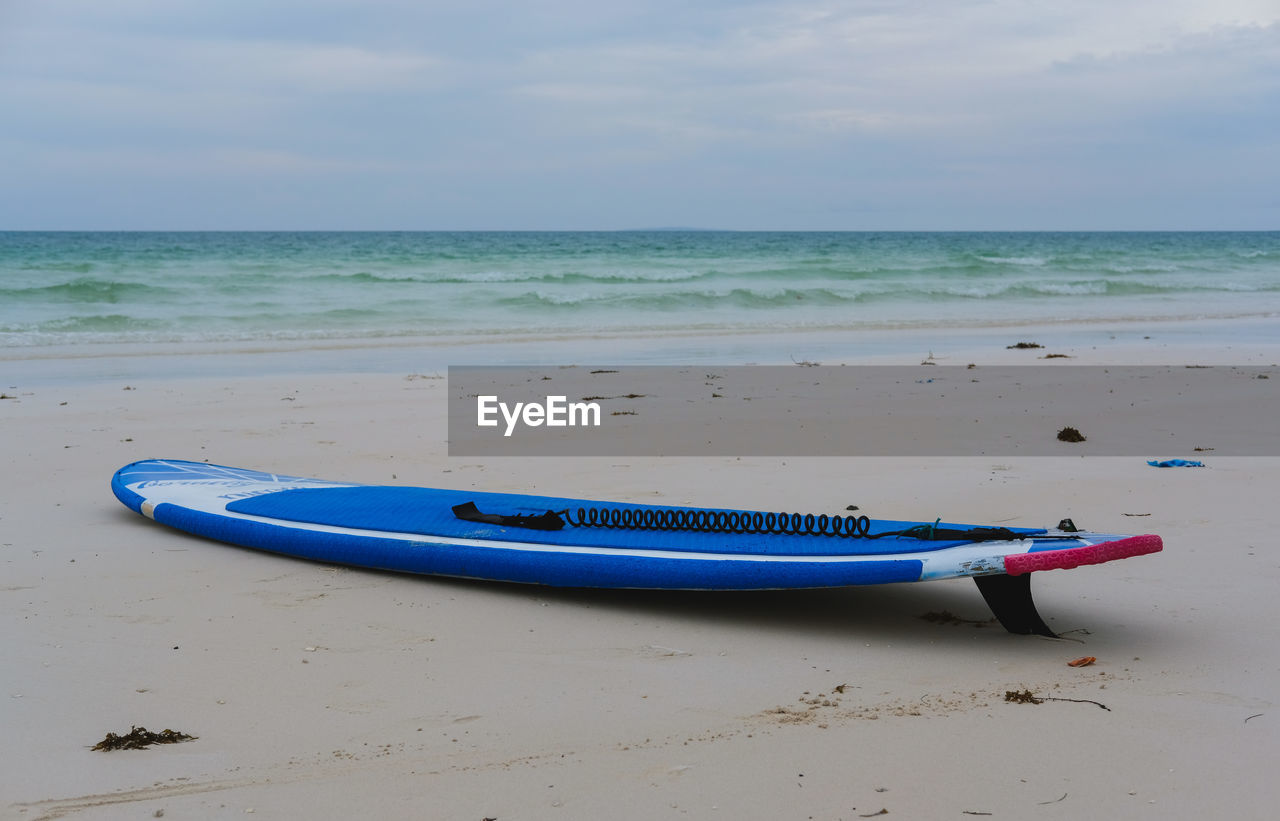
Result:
[{"x": 1009, "y": 598}]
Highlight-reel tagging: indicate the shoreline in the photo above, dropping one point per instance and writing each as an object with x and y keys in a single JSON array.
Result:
[{"x": 1253, "y": 341}]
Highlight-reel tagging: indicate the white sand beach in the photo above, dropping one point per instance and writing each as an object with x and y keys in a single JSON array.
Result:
[{"x": 328, "y": 692}]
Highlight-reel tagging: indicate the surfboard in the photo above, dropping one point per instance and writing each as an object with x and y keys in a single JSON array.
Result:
[{"x": 582, "y": 543}]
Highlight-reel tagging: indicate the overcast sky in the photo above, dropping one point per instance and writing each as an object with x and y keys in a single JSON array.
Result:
[{"x": 596, "y": 114}]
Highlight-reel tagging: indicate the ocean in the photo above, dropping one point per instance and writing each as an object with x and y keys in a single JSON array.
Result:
[{"x": 90, "y": 288}]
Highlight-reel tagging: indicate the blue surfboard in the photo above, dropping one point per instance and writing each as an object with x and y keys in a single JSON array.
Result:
[{"x": 581, "y": 543}]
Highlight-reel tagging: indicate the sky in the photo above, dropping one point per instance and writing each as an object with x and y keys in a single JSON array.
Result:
[{"x": 601, "y": 115}]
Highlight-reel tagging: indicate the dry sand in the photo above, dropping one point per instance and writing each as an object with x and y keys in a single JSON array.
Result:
[{"x": 327, "y": 692}]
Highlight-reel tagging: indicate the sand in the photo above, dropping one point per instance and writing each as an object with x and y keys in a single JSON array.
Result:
[{"x": 328, "y": 692}]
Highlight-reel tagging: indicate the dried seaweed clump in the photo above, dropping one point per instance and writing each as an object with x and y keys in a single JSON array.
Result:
[
  {"x": 1028, "y": 697},
  {"x": 1070, "y": 435},
  {"x": 1022, "y": 697},
  {"x": 139, "y": 738}
]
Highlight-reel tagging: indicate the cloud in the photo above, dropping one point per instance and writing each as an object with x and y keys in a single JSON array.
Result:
[
  {"x": 862, "y": 100},
  {"x": 911, "y": 69}
]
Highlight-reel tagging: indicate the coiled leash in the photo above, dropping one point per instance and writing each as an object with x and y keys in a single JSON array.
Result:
[{"x": 688, "y": 520}]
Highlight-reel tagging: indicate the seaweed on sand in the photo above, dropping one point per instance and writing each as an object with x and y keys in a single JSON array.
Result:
[{"x": 139, "y": 738}]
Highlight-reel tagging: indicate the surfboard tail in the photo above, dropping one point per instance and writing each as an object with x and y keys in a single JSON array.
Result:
[
  {"x": 1017, "y": 564},
  {"x": 1008, "y": 594}
]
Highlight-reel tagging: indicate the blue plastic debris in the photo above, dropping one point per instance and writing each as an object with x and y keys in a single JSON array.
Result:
[{"x": 1175, "y": 463}]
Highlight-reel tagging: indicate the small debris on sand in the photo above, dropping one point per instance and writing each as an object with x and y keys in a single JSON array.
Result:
[
  {"x": 139, "y": 738},
  {"x": 947, "y": 617},
  {"x": 1070, "y": 434},
  {"x": 1028, "y": 697},
  {"x": 1021, "y": 697}
]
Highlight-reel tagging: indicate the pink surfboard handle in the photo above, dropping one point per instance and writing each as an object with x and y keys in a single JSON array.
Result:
[{"x": 1019, "y": 563}]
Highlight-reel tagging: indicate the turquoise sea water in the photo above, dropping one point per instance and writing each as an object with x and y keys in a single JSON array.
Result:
[{"x": 69, "y": 288}]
